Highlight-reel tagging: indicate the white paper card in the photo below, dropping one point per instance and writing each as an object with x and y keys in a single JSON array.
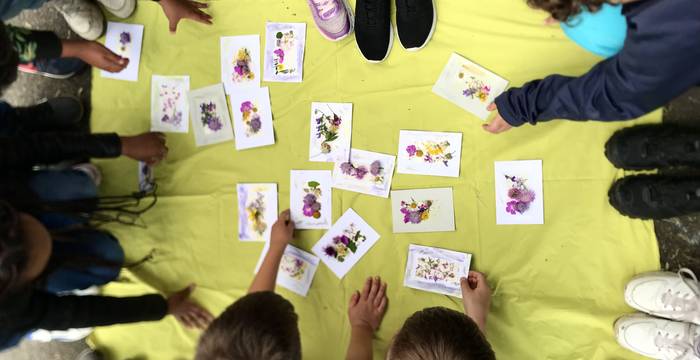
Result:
[
  {"x": 296, "y": 271},
  {"x": 240, "y": 62},
  {"x": 422, "y": 210},
  {"x": 257, "y": 211},
  {"x": 124, "y": 40},
  {"x": 170, "y": 111},
  {"x": 209, "y": 113},
  {"x": 519, "y": 193},
  {"x": 146, "y": 179},
  {"x": 331, "y": 130},
  {"x": 367, "y": 172},
  {"x": 469, "y": 86},
  {"x": 436, "y": 270},
  {"x": 345, "y": 243},
  {"x": 284, "y": 51},
  {"x": 429, "y": 153},
  {"x": 311, "y": 199},
  {"x": 252, "y": 118}
]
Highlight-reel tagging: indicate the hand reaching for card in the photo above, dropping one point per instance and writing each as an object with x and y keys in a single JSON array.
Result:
[
  {"x": 148, "y": 147},
  {"x": 476, "y": 298},
  {"x": 282, "y": 231},
  {"x": 366, "y": 310},
  {"x": 498, "y": 124},
  {"x": 176, "y": 10}
]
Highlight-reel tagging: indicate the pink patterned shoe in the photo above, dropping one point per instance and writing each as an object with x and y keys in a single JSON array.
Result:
[{"x": 333, "y": 18}]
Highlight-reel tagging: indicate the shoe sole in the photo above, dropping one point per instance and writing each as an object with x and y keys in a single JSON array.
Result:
[
  {"x": 45, "y": 74},
  {"x": 351, "y": 16},
  {"x": 120, "y": 13},
  {"x": 430, "y": 35}
]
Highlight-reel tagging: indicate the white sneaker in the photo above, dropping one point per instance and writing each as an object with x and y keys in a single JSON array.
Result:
[
  {"x": 119, "y": 8},
  {"x": 82, "y": 16},
  {"x": 658, "y": 338},
  {"x": 666, "y": 294}
]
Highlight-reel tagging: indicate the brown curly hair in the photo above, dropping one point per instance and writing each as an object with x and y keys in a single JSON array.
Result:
[{"x": 563, "y": 10}]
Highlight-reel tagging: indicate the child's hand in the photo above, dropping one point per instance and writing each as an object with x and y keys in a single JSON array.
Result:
[
  {"x": 176, "y": 10},
  {"x": 94, "y": 54},
  {"x": 282, "y": 230},
  {"x": 148, "y": 147},
  {"x": 476, "y": 298},
  {"x": 367, "y": 309},
  {"x": 498, "y": 124},
  {"x": 187, "y": 312}
]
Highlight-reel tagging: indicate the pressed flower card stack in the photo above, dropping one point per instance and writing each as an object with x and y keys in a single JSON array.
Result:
[
  {"x": 296, "y": 271},
  {"x": 146, "y": 179},
  {"x": 284, "y": 51},
  {"x": 423, "y": 210},
  {"x": 240, "y": 62},
  {"x": 436, "y": 270},
  {"x": 366, "y": 172},
  {"x": 169, "y": 103},
  {"x": 519, "y": 195},
  {"x": 429, "y": 153},
  {"x": 125, "y": 41},
  {"x": 310, "y": 199},
  {"x": 252, "y": 118},
  {"x": 331, "y": 130},
  {"x": 469, "y": 86},
  {"x": 257, "y": 211},
  {"x": 209, "y": 113}
]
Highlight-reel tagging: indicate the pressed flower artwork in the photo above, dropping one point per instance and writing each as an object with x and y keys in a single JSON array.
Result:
[
  {"x": 519, "y": 192},
  {"x": 436, "y": 270},
  {"x": 124, "y": 40},
  {"x": 284, "y": 51},
  {"x": 331, "y": 130},
  {"x": 240, "y": 62},
  {"x": 422, "y": 210},
  {"x": 469, "y": 86},
  {"x": 169, "y": 105},
  {"x": 209, "y": 114},
  {"x": 345, "y": 243},
  {"x": 147, "y": 181},
  {"x": 296, "y": 271},
  {"x": 429, "y": 153},
  {"x": 310, "y": 199},
  {"x": 366, "y": 172},
  {"x": 257, "y": 211},
  {"x": 252, "y": 118}
]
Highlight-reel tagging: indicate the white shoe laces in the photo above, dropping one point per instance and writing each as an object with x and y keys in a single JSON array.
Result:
[
  {"x": 325, "y": 7},
  {"x": 681, "y": 302},
  {"x": 675, "y": 346}
]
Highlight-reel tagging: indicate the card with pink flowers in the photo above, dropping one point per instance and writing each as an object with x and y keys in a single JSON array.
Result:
[
  {"x": 252, "y": 118},
  {"x": 240, "y": 62},
  {"x": 469, "y": 86},
  {"x": 284, "y": 51},
  {"x": 519, "y": 194},
  {"x": 257, "y": 211},
  {"x": 296, "y": 271},
  {"x": 124, "y": 40},
  {"x": 366, "y": 172},
  {"x": 170, "y": 111},
  {"x": 422, "y": 210},
  {"x": 209, "y": 115},
  {"x": 429, "y": 153},
  {"x": 331, "y": 130},
  {"x": 310, "y": 201},
  {"x": 345, "y": 243},
  {"x": 436, "y": 270}
]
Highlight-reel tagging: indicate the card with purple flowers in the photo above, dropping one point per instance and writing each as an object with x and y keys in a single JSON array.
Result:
[
  {"x": 252, "y": 118},
  {"x": 331, "y": 130},
  {"x": 469, "y": 86},
  {"x": 170, "y": 110},
  {"x": 125, "y": 41},
  {"x": 366, "y": 172},
  {"x": 284, "y": 51},
  {"x": 345, "y": 243},
  {"x": 310, "y": 199},
  {"x": 296, "y": 271},
  {"x": 423, "y": 210},
  {"x": 436, "y": 270},
  {"x": 209, "y": 113},
  {"x": 257, "y": 211},
  {"x": 147, "y": 181},
  {"x": 429, "y": 153},
  {"x": 519, "y": 194},
  {"x": 240, "y": 62}
]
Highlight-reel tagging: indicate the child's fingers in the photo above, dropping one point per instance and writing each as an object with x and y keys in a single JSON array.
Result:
[
  {"x": 376, "y": 284},
  {"x": 464, "y": 284},
  {"x": 491, "y": 107},
  {"x": 382, "y": 305},
  {"x": 200, "y": 5},
  {"x": 354, "y": 298},
  {"x": 381, "y": 295},
  {"x": 365, "y": 289}
]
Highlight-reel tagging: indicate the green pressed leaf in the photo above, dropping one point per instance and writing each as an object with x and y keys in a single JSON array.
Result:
[
  {"x": 314, "y": 184},
  {"x": 352, "y": 246}
]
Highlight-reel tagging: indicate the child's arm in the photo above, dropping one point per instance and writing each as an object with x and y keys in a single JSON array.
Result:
[
  {"x": 281, "y": 235},
  {"x": 476, "y": 298},
  {"x": 366, "y": 311}
]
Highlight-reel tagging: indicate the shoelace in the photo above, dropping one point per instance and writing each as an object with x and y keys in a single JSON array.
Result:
[
  {"x": 325, "y": 8},
  {"x": 676, "y": 345},
  {"x": 678, "y": 301},
  {"x": 371, "y": 10}
]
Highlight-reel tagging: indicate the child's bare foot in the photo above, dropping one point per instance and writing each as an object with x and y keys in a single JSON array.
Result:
[
  {"x": 367, "y": 309},
  {"x": 476, "y": 298}
]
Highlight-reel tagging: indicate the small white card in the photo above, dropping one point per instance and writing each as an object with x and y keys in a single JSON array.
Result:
[
  {"x": 209, "y": 113},
  {"x": 284, "y": 51},
  {"x": 124, "y": 40},
  {"x": 331, "y": 130},
  {"x": 519, "y": 193},
  {"x": 311, "y": 199},
  {"x": 146, "y": 179},
  {"x": 429, "y": 153},
  {"x": 345, "y": 243},
  {"x": 469, "y": 86},
  {"x": 252, "y": 118},
  {"x": 170, "y": 111},
  {"x": 423, "y": 210},
  {"x": 296, "y": 271},
  {"x": 257, "y": 211},
  {"x": 436, "y": 270},
  {"x": 240, "y": 62},
  {"x": 367, "y": 172}
]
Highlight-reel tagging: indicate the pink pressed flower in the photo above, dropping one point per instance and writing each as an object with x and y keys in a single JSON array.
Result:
[
  {"x": 527, "y": 196},
  {"x": 514, "y": 193},
  {"x": 411, "y": 149},
  {"x": 280, "y": 55},
  {"x": 246, "y": 106}
]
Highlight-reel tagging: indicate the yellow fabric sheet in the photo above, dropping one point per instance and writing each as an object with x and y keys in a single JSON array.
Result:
[{"x": 557, "y": 287}]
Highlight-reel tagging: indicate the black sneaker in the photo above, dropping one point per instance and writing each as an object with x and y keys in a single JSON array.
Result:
[
  {"x": 415, "y": 22},
  {"x": 644, "y": 147},
  {"x": 655, "y": 196},
  {"x": 57, "y": 114},
  {"x": 373, "y": 31}
]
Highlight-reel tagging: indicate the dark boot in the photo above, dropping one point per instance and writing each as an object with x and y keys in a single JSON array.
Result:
[
  {"x": 655, "y": 196},
  {"x": 655, "y": 146}
]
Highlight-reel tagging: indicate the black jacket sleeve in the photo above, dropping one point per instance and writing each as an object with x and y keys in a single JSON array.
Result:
[{"x": 24, "y": 151}]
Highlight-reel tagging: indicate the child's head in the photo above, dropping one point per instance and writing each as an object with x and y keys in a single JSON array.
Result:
[
  {"x": 563, "y": 10},
  {"x": 440, "y": 333},
  {"x": 261, "y": 325},
  {"x": 9, "y": 59}
]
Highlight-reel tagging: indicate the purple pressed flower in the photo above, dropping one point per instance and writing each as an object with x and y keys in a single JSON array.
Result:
[
  {"x": 255, "y": 124},
  {"x": 510, "y": 207},
  {"x": 214, "y": 124},
  {"x": 330, "y": 251},
  {"x": 404, "y": 211},
  {"x": 246, "y": 106},
  {"x": 336, "y": 120},
  {"x": 514, "y": 193},
  {"x": 165, "y": 118},
  {"x": 280, "y": 55},
  {"x": 375, "y": 168},
  {"x": 521, "y": 207},
  {"x": 526, "y": 196},
  {"x": 346, "y": 168},
  {"x": 344, "y": 239},
  {"x": 308, "y": 211},
  {"x": 124, "y": 38},
  {"x": 316, "y": 207},
  {"x": 309, "y": 199},
  {"x": 414, "y": 217},
  {"x": 238, "y": 70},
  {"x": 336, "y": 240},
  {"x": 360, "y": 172},
  {"x": 469, "y": 92},
  {"x": 411, "y": 149}
]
